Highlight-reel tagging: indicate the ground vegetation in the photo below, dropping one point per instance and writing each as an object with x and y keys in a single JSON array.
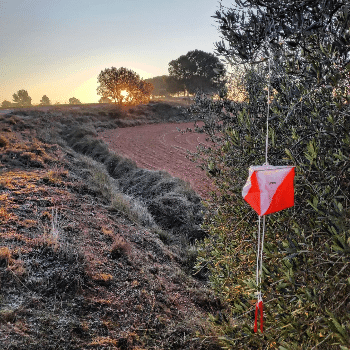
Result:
[{"x": 84, "y": 263}]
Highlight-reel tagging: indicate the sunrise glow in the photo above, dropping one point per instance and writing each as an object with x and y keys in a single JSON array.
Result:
[{"x": 124, "y": 93}]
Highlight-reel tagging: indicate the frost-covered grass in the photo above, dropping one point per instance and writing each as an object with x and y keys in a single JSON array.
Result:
[{"x": 153, "y": 198}]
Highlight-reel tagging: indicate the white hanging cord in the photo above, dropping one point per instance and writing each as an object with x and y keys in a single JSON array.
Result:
[
  {"x": 259, "y": 256},
  {"x": 261, "y": 252},
  {"x": 268, "y": 114}
]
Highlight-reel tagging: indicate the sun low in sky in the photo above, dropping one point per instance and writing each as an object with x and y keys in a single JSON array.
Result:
[
  {"x": 86, "y": 91},
  {"x": 58, "y": 48},
  {"x": 124, "y": 93}
]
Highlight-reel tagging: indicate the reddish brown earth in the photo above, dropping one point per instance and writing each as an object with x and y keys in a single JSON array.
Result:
[{"x": 162, "y": 147}]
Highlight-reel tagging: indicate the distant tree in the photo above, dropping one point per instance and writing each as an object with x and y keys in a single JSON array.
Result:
[
  {"x": 22, "y": 98},
  {"x": 45, "y": 101},
  {"x": 113, "y": 81},
  {"x": 6, "y": 104},
  {"x": 104, "y": 100},
  {"x": 74, "y": 101},
  {"x": 197, "y": 70},
  {"x": 141, "y": 93},
  {"x": 175, "y": 86},
  {"x": 160, "y": 85}
]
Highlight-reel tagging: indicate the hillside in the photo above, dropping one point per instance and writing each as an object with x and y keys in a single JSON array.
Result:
[{"x": 82, "y": 264}]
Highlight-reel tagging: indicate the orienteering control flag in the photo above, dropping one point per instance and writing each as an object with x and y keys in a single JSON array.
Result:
[{"x": 269, "y": 188}]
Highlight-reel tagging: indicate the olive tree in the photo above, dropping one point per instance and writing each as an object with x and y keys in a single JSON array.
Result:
[{"x": 299, "y": 52}]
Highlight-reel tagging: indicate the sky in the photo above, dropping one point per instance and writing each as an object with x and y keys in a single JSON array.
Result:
[{"x": 58, "y": 47}]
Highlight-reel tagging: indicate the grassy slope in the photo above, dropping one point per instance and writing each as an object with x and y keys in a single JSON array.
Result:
[{"x": 101, "y": 273}]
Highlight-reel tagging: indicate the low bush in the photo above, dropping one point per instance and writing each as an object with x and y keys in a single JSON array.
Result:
[
  {"x": 172, "y": 211},
  {"x": 150, "y": 197},
  {"x": 64, "y": 272},
  {"x": 123, "y": 169},
  {"x": 164, "y": 236},
  {"x": 75, "y": 134},
  {"x": 91, "y": 147}
]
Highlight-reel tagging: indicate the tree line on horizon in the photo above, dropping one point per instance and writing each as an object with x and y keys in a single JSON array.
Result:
[
  {"x": 22, "y": 99},
  {"x": 195, "y": 71}
]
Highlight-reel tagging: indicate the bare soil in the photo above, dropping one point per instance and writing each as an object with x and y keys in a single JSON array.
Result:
[{"x": 163, "y": 147}]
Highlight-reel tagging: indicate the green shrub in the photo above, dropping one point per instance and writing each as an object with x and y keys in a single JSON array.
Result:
[{"x": 306, "y": 285}]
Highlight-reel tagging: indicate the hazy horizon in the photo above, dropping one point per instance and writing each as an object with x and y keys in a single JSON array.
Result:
[{"x": 59, "y": 48}]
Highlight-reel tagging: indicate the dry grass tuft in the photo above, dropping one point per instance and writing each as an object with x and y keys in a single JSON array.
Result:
[
  {"x": 101, "y": 180},
  {"x": 29, "y": 223},
  {"x": 102, "y": 278},
  {"x": 121, "y": 203},
  {"x": 120, "y": 247},
  {"x": 3, "y": 141},
  {"x": 5, "y": 216},
  {"x": 55, "y": 175},
  {"x": 5, "y": 257},
  {"x": 17, "y": 267},
  {"x": 107, "y": 232},
  {"x": 47, "y": 240},
  {"x": 104, "y": 341},
  {"x": 7, "y": 315},
  {"x": 46, "y": 216},
  {"x": 13, "y": 120},
  {"x": 51, "y": 238}
]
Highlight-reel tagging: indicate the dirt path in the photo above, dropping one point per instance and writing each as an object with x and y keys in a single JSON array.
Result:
[{"x": 161, "y": 147}]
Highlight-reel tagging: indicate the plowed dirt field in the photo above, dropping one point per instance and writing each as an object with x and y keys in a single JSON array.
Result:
[{"x": 162, "y": 147}]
